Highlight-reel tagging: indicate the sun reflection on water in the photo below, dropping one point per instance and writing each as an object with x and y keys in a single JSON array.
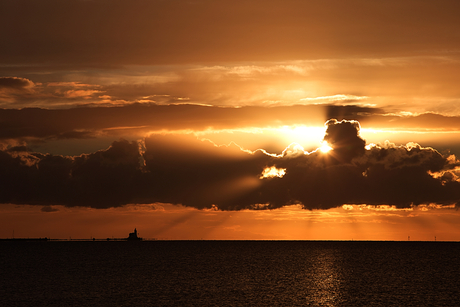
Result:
[{"x": 326, "y": 279}]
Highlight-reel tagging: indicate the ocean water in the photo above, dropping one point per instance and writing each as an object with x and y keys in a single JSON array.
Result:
[{"x": 229, "y": 273}]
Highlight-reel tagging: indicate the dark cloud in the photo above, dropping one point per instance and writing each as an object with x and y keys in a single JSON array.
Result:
[
  {"x": 79, "y": 122},
  {"x": 83, "y": 122},
  {"x": 349, "y": 174},
  {"x": 102, "y": 179},
  {"x": 75, "y": 134},
  {"x": 14, "y": 88},
  {"x": 22, "y": 92},
  {"x": 344, "y": 138},
  {"x": 18, "y": 148},
  {"x": 184, "y": 170},
  {"x": 203, "y": 175},
  {"x": 377, "y": 119},
  {"x": 14, "y": 83},
  {"x": 48, "y": 209}
]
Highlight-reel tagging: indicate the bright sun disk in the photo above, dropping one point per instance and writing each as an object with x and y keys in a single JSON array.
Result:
[{"x": 325, "y": 147}]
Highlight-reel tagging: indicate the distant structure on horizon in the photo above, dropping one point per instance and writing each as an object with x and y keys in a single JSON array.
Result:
[{"x": 133, "y": 236}]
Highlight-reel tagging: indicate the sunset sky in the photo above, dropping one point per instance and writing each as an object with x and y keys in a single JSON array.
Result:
[{"x": 302, "y": 120}]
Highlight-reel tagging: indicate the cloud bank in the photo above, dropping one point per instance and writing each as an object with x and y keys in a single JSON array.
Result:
[
  {"x": 187, "y": 171},
  {"x": 85, "y": 122}
]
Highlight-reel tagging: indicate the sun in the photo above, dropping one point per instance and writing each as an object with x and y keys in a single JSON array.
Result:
[
  {"x": 308, "y": 137},
  {"x": 325, "y": 147}
]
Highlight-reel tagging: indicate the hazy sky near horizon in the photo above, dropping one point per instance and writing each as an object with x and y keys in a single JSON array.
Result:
[{"x": 205, "y": 119}]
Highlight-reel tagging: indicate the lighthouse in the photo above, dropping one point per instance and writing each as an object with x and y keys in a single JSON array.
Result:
[{"x": 133, "y": 236}]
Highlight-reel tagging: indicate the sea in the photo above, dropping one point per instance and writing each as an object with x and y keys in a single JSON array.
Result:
[{"x": 229, "y": 273}]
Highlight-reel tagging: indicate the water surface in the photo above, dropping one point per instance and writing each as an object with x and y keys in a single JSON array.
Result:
[{"x": 229, "y": 273}]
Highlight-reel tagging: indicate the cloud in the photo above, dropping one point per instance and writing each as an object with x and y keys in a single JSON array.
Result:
[
  {"x": 18, "y": 148},
  {"x": 43, "y": 123},
  {"x": 14, "y": 88},
  {"x": 86, "y": 94},
  {"x": 335, "y": 98},
  {"x": 69, "y": 84},
  {"x": 382, "y": 82},
  {"x": 24, "y": 92},
  {"x": 49, "y": 209},
  {"x": 83, "y": 121},
  {"x": 15, "y": 83},
  {"x": 102, "y": 179},
  {"x": 180, "y": 169},
  {"x": 344, "y": 139},
  {"x": 75, "y": 134}
]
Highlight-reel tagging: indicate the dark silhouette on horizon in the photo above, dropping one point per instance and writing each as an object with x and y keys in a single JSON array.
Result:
[{"x": 133, "y": 236}]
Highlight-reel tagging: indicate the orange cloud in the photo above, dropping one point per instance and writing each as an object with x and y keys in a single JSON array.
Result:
[{"x": 87, "y": 94}]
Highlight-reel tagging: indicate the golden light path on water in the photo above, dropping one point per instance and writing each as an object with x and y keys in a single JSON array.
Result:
[{"x": 326, "y": 279}]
